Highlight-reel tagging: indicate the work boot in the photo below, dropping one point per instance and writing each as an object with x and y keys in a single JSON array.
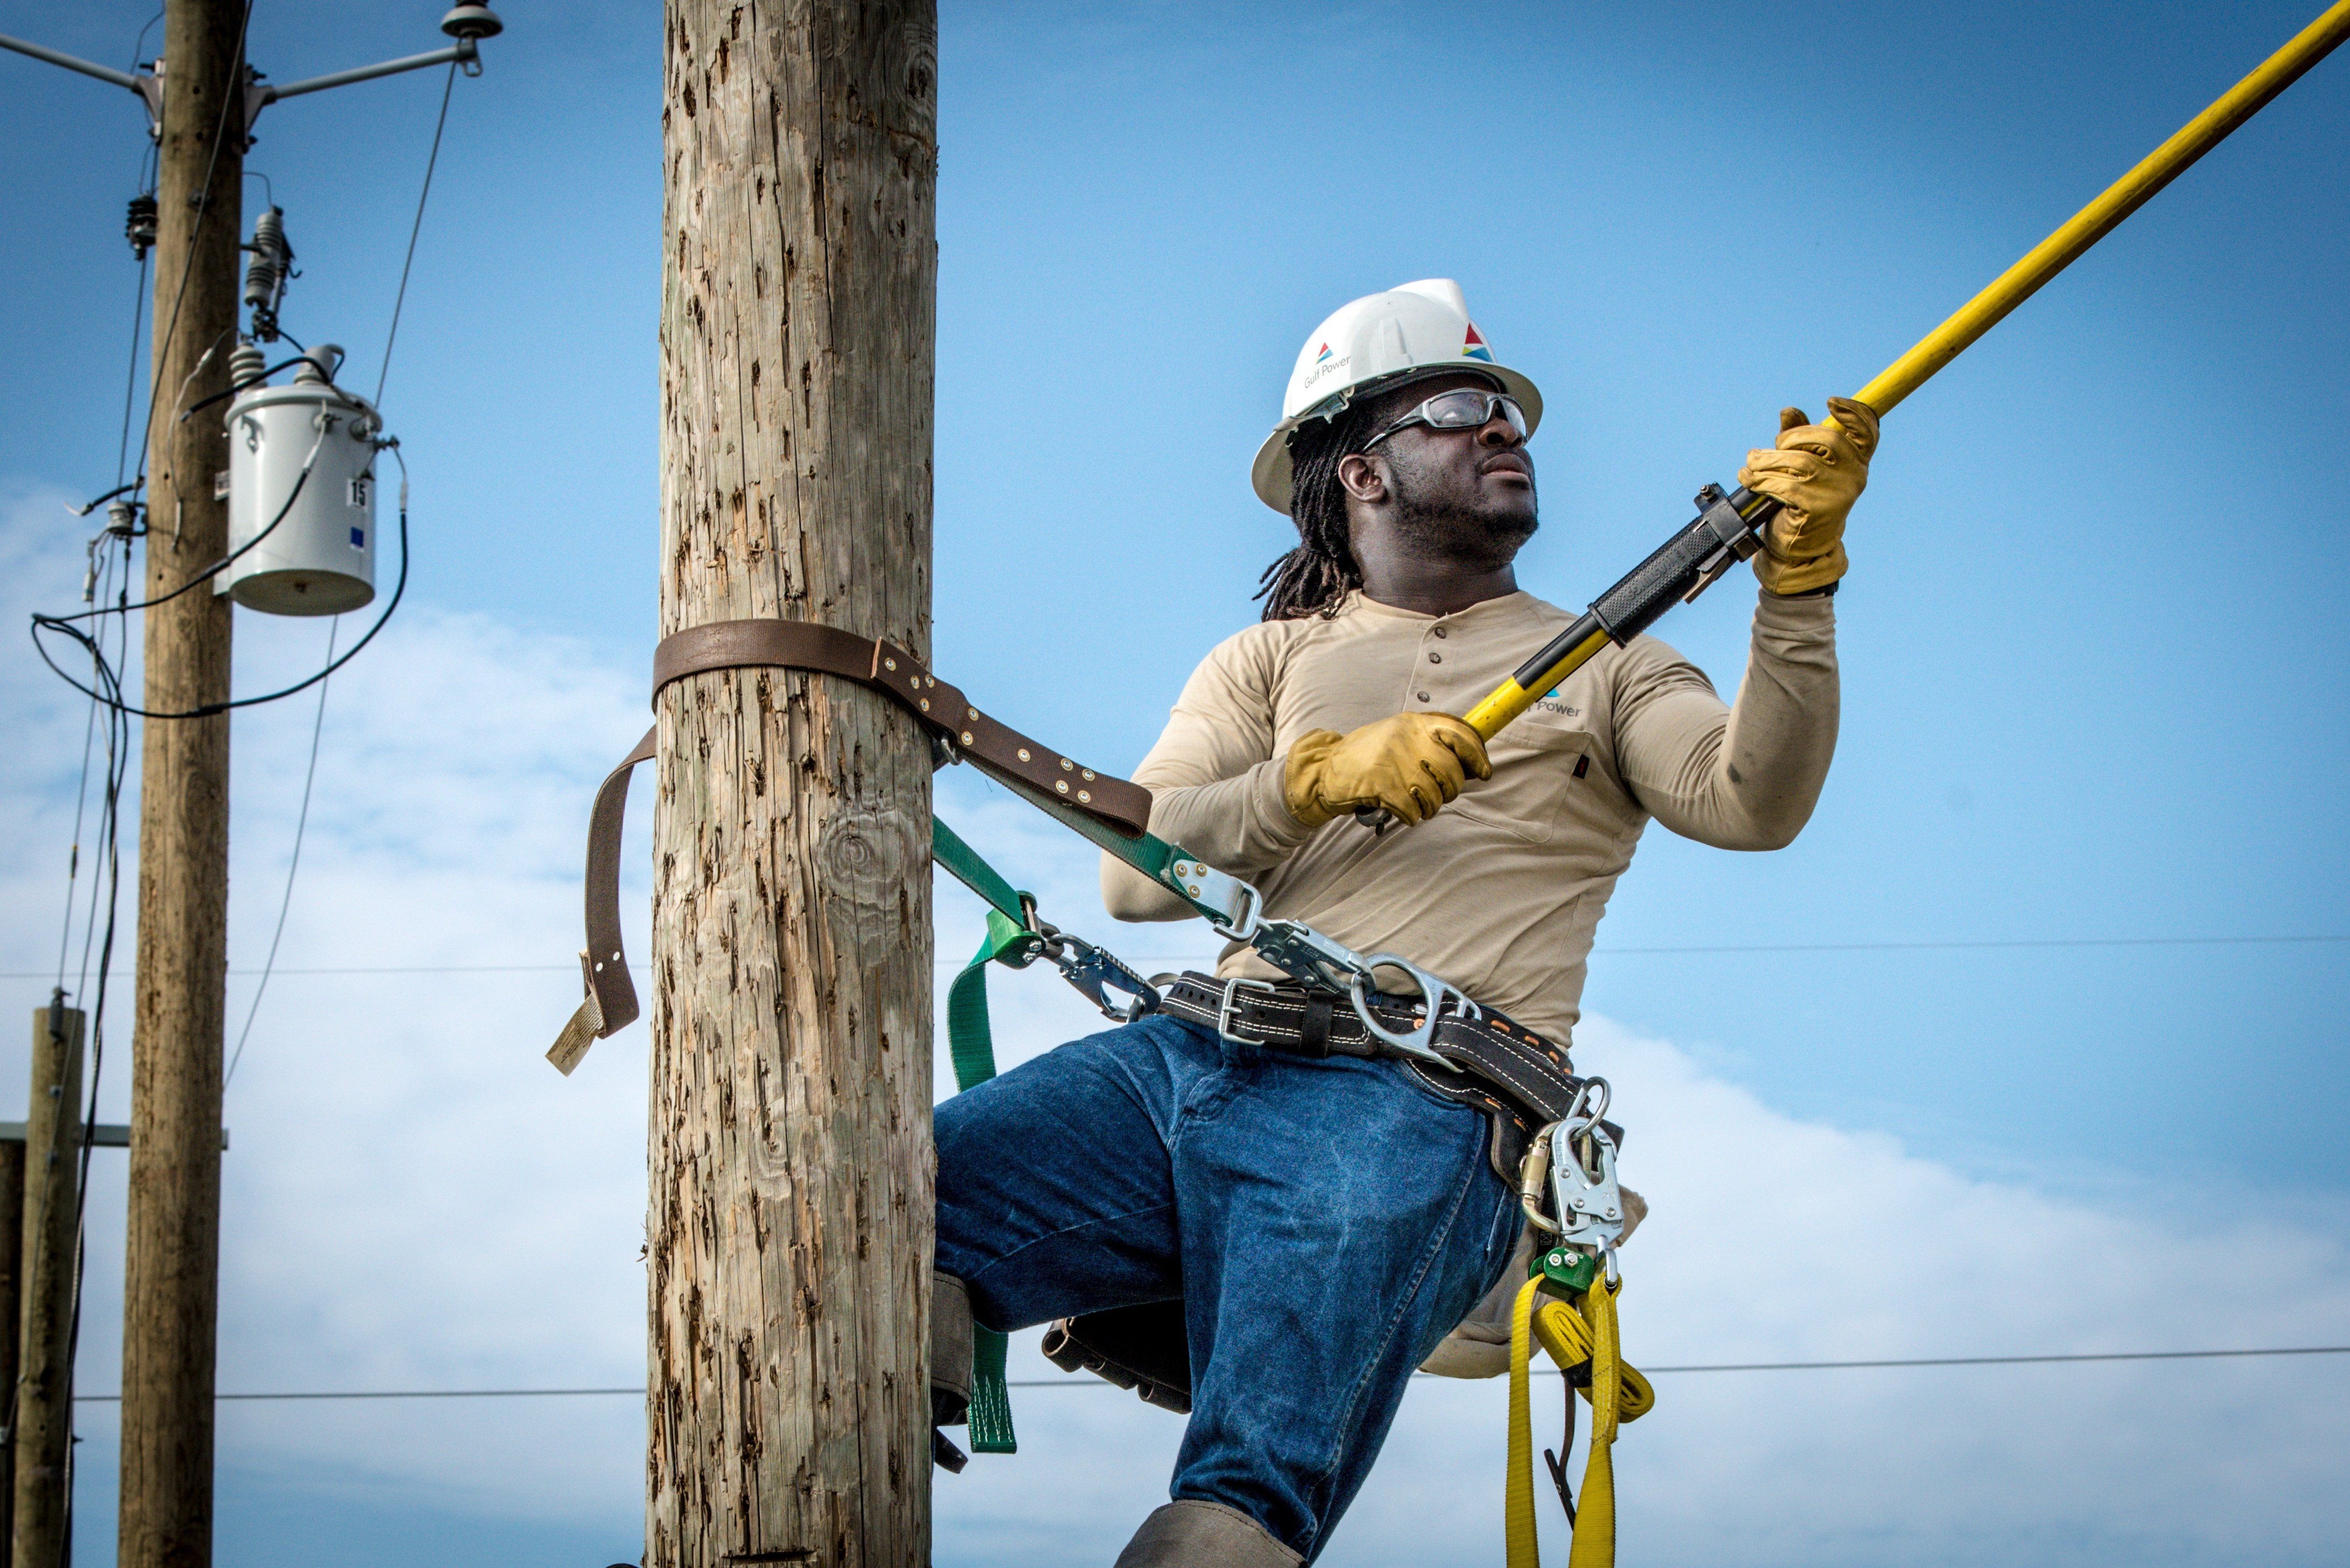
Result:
[
  {"x": 950, "y": 1340},
  {"x": 1193, "y": 1534}
]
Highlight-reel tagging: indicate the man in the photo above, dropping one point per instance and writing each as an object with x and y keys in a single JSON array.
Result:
[{"x": 1325, "y": 1219}]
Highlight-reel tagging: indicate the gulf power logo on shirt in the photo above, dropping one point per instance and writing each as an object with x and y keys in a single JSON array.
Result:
[{"x": 1474, "y": 346}]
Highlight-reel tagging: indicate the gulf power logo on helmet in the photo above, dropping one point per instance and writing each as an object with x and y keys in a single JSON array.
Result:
[
  {"x": 1326, "y": 365},
  {"x": 1472, "y": 348}
]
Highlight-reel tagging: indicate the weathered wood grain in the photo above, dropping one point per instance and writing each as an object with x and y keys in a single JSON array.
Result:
[
  {"x": 790, "y": 1149},
  {"x": 172, "y": 1265}
]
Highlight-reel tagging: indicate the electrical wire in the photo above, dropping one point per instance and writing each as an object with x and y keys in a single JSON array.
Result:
[
  {"x": 258, "y": 377},
  {"x": 130, "y": 380},
  {"x": 432, "y": 160},
  {"x": 204, "y": 211},
  {"x": 117, "y": 761},
  {"x": 399, "y": 587},
  {"x": 947, "y": 962},
  {"x": 293, "y": 864},
  {"x": 58, "y": 622},
  {"x": 307, "y": 1395},
  {"x": 141, "y": 44},
  {"x": 62, "y": 623},
  {"x": 103, "y": 580}
]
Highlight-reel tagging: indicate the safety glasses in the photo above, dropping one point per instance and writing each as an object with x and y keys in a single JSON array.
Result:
[{"x": 1462, "y": 408}]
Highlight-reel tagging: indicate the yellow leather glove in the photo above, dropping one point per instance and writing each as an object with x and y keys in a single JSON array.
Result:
[
  {"x": 1411, "y": 765},
  {"x": 1817, "y": 470}
]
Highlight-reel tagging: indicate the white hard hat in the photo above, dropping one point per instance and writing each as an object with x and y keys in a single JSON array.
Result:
[{"x": 1380, "y": 340}]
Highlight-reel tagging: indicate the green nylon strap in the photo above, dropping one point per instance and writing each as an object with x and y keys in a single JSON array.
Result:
[
  {"x": 1146, "y": 853},
  {"x": 971, "y": 1045},
  {"x": 969, "y": 1039},
  {"x": 962, "y": 862},
  {"x": 991, "y": 1397}
]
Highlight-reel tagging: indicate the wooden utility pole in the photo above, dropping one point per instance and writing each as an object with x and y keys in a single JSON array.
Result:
[
  {"x": 790, "y": 1151},
  {"x": 172, "y": 1277},
  {"x": 12, "y": 1316},
  {"x": 44, "y": 1420}
]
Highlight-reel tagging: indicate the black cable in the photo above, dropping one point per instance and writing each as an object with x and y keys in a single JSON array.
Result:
[
  {"x": 87, "y": 507},
  {"x": 293, "y": 864},
  {"x": 431, "y": 162},
  {"x": 62, "y": 622},
  {"x": 130, "y": 382},
  {"x": 142, "y": 38},
  {"x": 111, "y": 825},
  {"x": 55, "y": 623},
  {"x": 81, "y": 800},
  {"x": 256, "y": 379},
  {"x": 204, "y": 211}
]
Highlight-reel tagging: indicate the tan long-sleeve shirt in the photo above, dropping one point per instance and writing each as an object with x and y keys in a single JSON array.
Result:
[{"x": 1500, "y": 892}]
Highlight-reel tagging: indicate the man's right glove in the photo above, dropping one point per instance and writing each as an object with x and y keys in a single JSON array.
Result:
[{"x": 1411, "y": 765}]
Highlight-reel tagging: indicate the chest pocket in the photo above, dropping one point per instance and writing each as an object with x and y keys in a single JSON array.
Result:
[{"x": 1539, "y": 762}]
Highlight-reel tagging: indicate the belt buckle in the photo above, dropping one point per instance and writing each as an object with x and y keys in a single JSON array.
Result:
[{"x": 1224, "y": 1011}]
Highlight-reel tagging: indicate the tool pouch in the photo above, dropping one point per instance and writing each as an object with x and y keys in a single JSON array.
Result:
[{"x": 1138, "y": 1347}]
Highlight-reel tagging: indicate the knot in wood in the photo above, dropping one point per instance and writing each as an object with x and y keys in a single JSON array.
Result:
[{"x": 864, "y": 856}]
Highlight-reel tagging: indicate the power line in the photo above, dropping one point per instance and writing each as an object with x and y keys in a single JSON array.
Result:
[
  {"x": 311, "y": 1394},
  {"x": 637, "y": 1389},
  {"x": 1978, "y": 946},
  {"x": 400, "y": 299},
  {"x": 2009, "y": 1360},
  {"x": 1596, "y": 952}
]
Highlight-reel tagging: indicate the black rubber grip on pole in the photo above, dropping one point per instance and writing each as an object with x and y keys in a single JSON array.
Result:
[{"x": 1666, "y": 578}]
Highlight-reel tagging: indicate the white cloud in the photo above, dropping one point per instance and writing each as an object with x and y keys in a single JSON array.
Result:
[{"x": 415, "y": 1199}]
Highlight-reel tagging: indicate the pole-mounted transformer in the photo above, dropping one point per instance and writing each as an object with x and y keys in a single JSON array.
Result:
[{"x": 301, "y": 489}]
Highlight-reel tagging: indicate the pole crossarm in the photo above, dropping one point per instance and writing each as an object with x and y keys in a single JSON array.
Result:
[
  {"x": 72, "y": 62},
  {"x": 258, "y": 94},
  {"x": 464, "y": 51}
]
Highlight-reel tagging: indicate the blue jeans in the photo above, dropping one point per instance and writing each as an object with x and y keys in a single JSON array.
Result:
[{"x": 1324, "y": 1223}]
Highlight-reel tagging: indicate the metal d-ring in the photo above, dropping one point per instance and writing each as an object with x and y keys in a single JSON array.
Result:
[{"x": 1433, "y": 992}]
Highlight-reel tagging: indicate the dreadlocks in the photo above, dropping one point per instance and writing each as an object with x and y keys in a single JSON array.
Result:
[{"x": 1315, "y": 577}]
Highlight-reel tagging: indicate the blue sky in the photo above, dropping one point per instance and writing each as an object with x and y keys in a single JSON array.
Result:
[{"x": 2090, "y": 641}]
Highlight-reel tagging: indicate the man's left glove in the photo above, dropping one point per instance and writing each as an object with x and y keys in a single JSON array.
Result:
[
  {"x": 1408, "y": 764},
  {"x": 1816, "y": 472}
]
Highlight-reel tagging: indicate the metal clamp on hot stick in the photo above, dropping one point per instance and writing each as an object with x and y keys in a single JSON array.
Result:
[{"x": 1728, "y": 529}]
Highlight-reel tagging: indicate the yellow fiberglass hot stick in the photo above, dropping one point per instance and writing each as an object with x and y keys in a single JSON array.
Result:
[{"x": 1728, "y": 528}]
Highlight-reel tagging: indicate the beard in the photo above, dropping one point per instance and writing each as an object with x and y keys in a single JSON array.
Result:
[{"x": 1442, "y": 523}]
